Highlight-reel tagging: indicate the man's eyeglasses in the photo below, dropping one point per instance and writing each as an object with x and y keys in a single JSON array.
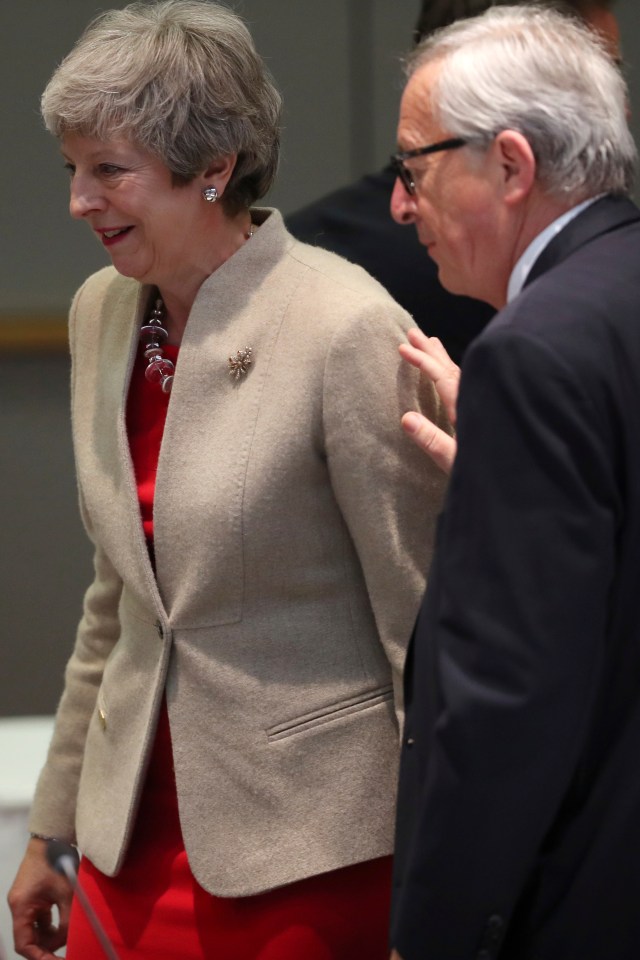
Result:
[{"x": 397, "y": 160}]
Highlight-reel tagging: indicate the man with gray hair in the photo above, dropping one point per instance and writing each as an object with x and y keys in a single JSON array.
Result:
[
  {"x": 518, "y": 828},
  {"x": 354, "y": 220}
]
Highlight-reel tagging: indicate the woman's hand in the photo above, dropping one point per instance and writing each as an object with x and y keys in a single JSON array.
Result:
[
  {"x": 429, "y": 356},
  {"x": 36, "y": 889}
]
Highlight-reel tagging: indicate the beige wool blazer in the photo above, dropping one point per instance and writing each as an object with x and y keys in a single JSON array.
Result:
[{"x": 292, "y": 527}]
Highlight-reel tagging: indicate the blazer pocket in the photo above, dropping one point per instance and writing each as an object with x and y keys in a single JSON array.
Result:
[{"x": 333, "y": 711}]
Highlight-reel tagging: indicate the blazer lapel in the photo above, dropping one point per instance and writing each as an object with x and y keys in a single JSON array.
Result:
[
  {"x": 104, "y": 347},
  {"x": 211, "y": 429}
]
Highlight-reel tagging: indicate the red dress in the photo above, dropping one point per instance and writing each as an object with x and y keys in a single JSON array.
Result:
[{"x": 155, "y": 909}]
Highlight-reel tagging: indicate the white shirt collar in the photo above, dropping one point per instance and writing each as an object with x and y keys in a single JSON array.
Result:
[{"x": 521, "y": 270}]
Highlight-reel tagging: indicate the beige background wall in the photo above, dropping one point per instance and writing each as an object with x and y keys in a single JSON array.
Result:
[{"x": 336, "y": 62}]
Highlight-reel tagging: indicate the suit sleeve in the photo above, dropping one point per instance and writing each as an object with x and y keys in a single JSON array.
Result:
[
  {"x": 509, "y": 646},
  {"x": 389, "y": 493}
]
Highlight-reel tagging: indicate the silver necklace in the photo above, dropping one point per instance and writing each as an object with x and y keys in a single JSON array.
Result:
[{"x": 153, "y": 335}]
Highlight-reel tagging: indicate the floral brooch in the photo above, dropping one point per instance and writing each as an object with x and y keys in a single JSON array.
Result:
[{"x": 239, "y": 365}]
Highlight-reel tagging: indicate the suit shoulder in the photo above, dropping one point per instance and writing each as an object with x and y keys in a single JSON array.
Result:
[{"x": 588, "y": 302}]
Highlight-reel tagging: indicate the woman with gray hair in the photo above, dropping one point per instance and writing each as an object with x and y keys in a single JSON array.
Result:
[{"x": 225, "y": 750}]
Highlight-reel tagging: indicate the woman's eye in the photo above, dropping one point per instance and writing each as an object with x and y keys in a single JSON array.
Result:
[
  {"x": 69, "y": 167},
  {"x": 109, "y": 169}
]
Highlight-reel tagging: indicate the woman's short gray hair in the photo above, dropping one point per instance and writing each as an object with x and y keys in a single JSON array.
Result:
[
  {"x": 180, "y": 78},
  {"x": 543, "y": 73}
]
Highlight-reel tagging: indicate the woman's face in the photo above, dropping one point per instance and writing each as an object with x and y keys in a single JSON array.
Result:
[{"x": 153, "y": 231}]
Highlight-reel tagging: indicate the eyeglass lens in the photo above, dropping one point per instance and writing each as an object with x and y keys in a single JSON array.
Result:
[{"x": 405, "y": 176}]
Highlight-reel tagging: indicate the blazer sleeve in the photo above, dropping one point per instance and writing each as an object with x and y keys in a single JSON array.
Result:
[
  {"x": 53, "y": 809},
  {"x": 511, "y": 643},
  {"x": 388, "y": 491}
]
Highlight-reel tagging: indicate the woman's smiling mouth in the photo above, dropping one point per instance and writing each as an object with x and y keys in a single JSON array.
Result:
[{"x": 108, "y": 237}]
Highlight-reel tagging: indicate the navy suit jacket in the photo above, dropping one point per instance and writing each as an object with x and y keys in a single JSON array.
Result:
[
  {"x": 518, "y": 826},
  {"x": 355, "y": 221}
]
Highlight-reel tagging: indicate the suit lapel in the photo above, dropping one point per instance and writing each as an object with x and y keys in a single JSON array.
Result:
[{"x": 604, "y": 215}]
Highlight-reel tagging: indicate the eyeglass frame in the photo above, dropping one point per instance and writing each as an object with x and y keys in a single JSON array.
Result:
[{"x": 397, "y": 159}]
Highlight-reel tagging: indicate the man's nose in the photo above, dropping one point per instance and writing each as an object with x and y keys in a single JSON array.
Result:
[{"x": 403, "y": 204}]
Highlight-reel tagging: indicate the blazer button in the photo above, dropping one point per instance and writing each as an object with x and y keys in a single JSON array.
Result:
[
  {"x": 495, "y": 926},
  {"x": 409, "y": 742},
  {"x": 103, "y": 719},
  {"x": 159, "y": 629}
]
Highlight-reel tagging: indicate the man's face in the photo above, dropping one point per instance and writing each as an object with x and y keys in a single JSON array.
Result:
[{"x": 456, "y": 206}]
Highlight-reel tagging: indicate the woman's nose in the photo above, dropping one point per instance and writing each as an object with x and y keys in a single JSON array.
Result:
[
  {"x": 403, "y": 204},
  {"x": 85, "y": 197}
]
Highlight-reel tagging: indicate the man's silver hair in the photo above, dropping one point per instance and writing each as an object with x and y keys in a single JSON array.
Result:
[
  {"x": 544, "y": 74},
  {"x": 180, "y": 78}
]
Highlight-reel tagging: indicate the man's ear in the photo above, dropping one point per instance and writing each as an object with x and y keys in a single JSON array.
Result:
[{"x": 517, "y": 165}]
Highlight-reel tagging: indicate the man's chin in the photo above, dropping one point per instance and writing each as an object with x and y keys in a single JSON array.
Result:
[{"x": 448, "y": 278}]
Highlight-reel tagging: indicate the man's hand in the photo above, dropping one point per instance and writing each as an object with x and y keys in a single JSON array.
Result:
[
  {"x": 395, "y": 955},
  {"x": 431, "y": 358},
  {"x": 35, "y": 891}
]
